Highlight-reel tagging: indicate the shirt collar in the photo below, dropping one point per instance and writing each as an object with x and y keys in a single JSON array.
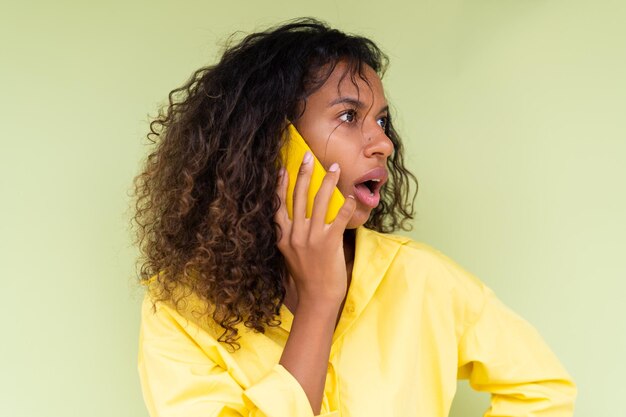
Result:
[{"x": 374, "y": 253}]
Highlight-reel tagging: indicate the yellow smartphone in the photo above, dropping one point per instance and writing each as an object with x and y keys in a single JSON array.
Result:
[{"x": 292, "y": 154}]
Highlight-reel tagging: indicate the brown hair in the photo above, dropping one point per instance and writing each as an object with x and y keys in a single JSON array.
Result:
[{"x": 206, "y": 198}]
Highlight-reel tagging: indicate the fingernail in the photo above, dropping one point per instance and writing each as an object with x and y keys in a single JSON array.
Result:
[
  {"x": 334, "y": 167},
  {"x": 351, "y": 196},
  {"x": 281, "y": 173},
  {"x": 307, "y": 157}
]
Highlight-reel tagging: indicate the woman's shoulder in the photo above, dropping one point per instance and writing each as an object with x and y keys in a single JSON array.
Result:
[
  {"x": 409, "y": 248},
  {"x": 177, "y": 301},
  {"x": 420, "y": 259}
]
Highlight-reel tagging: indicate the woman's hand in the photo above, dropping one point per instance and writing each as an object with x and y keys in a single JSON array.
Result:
[{"x": 313, "y": 249}]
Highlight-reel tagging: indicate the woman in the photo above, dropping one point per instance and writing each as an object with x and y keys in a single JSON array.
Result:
[{"x": 251, "y": 312}]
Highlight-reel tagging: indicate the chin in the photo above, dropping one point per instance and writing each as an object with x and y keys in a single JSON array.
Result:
[{"x": 359, "y": 218}]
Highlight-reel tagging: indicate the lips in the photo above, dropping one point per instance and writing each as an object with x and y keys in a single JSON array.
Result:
[{"x": 367, "y": 187}]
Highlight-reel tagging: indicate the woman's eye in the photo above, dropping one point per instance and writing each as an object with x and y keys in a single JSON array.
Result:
[
  {"x": 383, "y": 121},
  {"x": 348, "y": 116}
]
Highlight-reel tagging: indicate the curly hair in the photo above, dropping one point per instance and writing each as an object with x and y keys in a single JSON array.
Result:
[{"x": 206, "y": 197}]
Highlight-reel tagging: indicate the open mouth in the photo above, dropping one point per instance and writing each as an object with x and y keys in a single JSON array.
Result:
[
  {"x": 372, "y": 185},
  {"x": 367, "y": 188}
]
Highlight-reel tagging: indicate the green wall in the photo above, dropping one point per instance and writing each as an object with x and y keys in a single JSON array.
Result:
[{"x": 513, "y": 116}]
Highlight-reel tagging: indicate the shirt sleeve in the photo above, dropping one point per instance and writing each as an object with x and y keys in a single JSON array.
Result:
[
  {"x": 504, "y": 355},
  {"x": 178, "y": 378}
]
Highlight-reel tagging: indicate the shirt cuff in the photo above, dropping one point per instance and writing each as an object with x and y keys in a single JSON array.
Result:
[{"x": 279, "y": 394}]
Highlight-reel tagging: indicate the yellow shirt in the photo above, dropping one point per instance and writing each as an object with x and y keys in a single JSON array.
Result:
[{"x": 413, "y": 322}]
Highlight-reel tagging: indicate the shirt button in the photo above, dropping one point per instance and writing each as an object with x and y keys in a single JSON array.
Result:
[{"x": 350, "y": 308}]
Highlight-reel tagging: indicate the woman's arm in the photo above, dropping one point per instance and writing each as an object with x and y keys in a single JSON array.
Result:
[
  {"x": 504, "y": 355},
  {"x": 314, "y": 254},
  {"x": 308, "y": 347}
]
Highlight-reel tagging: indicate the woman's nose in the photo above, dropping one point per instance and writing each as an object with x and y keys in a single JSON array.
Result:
[{"x": 378, "y": 143}]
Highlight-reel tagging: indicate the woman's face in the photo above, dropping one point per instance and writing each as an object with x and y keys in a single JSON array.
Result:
[{"x": 345, "y": 123}]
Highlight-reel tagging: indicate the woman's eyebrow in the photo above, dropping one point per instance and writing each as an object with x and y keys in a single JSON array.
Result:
[{"x": 355, "y": 103}]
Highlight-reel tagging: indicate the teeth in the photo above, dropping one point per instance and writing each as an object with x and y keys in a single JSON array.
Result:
[{"x": 375, "y": 179}]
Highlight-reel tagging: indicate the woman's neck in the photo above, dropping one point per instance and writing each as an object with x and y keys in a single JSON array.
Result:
[{"x": 349, "y": 247}]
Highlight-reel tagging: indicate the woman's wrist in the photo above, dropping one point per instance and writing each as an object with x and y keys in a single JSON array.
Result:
[{"x": 322, "y": 306}]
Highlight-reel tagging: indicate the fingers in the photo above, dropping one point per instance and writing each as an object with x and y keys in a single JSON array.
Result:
[
  {"x": 322, "y": 198},
  {"x": 300, "y": 225},
  {"x": 283, "y": 182},
  {"x": 343, "y": 217},
  {"x": 282, "y": 217},
  {"x": 301, "y": 190}
]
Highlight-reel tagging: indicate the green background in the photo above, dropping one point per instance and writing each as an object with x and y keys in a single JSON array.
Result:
[{"x": 513, "y": 113}]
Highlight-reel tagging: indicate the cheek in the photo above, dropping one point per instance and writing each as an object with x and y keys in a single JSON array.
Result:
[
  {"x": 343, "y": 149},
  {"x": 346, "y": 187},
  {"x": 348, "y": 174}
]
